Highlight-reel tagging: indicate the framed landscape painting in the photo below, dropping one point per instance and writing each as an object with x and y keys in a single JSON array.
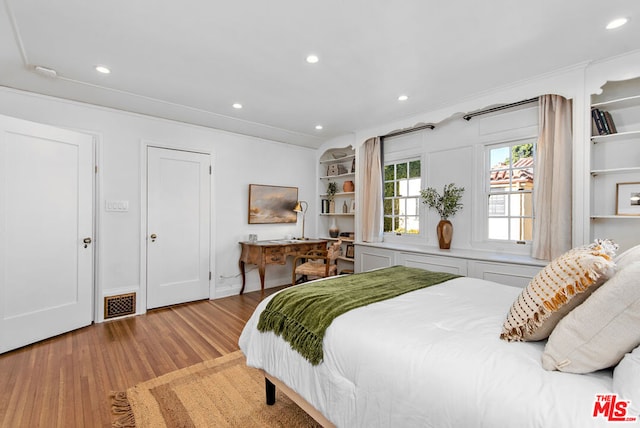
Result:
[{"x": 272, "y": 204}]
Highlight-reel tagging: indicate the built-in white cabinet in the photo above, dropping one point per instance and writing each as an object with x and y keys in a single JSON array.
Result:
[
  {"x": 615, "y": 163},
  {"x": 513, "y": 270},
  {"x": 337, "y": 211}
]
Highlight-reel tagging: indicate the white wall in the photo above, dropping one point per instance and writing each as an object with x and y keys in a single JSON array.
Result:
[
  {"x": 237, "y": 161},
  {"x": 453, "y": 153}
]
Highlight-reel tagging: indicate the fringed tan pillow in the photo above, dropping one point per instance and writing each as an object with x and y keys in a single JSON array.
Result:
[{"x": 558, "y": 288}]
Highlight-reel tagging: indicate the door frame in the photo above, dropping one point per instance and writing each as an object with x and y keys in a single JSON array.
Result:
[
  {"x": 96, "y": 286},
  {"x": 141, "y": 301}
]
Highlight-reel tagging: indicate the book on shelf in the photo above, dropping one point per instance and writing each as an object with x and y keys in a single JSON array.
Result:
[
  {"x": 325, "y": 206},
  {"x": 602, "y": 122},
  {"x": 609, "y": 122}
]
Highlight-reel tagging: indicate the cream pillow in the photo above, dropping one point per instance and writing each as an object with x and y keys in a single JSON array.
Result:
[
  {"x": 598, "y": 333},
  {"x": 628, "y": 257},
  {"x": 626, "y": 381},
  {"x": 558, "y": 288}
]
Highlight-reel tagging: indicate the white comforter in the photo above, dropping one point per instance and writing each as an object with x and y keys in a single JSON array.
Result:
[{"x": 431, "y": 358}]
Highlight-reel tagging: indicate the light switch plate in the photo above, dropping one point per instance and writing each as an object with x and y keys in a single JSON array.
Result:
[{"x": 118, "y": 206}]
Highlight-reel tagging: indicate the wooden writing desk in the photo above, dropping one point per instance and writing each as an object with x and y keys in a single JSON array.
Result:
[{"x": 263, "y": 253}]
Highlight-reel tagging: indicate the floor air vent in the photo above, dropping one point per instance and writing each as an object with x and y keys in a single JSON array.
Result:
[{"x": 117, "y": 306}]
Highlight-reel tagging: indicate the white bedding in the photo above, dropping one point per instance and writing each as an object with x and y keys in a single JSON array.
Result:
[{"x": 431, "y": 358}]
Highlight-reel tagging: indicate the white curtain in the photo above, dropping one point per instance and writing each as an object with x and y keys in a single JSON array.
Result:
[
  {"x": 552, "y": 182},
  {"x": 371, "y": 229}
]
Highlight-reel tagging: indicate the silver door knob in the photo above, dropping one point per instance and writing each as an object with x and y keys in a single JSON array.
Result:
[{"x": 153, "y": 237}]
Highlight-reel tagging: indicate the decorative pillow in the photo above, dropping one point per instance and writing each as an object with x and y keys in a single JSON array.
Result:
[
  {"x": 598, "y": 333},
  {"x": 628, "y": 257},
  {"x": 561, "y": 286},
  {"x": 626, "y": 381}
]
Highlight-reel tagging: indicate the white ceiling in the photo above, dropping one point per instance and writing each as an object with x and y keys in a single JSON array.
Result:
[{"x": 190, "y": 60}]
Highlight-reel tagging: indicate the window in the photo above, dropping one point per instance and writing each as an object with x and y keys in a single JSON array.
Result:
[
  {"x": 510, "y": 191},
  {"x": 402, "y": 184}
]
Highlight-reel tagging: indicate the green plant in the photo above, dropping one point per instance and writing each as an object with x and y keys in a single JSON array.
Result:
[
  {"x": 332, "y": 189},
  {"x": 446, "y": 204}
]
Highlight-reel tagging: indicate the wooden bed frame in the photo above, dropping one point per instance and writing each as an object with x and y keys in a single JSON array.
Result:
[{"x": 271, "y": 383}]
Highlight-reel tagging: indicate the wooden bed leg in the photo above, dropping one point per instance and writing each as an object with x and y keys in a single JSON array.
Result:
[{"x": 270, "y": 390}]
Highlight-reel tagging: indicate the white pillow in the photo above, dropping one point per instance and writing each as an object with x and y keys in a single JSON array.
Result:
[
  {"x": 598, "y": 333},
  {"x": 628, "y": 257},
  {"x": 626, "y": 381}
]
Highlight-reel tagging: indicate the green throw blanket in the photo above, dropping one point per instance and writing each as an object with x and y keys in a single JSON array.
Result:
[{"x": 302, "y": 314}]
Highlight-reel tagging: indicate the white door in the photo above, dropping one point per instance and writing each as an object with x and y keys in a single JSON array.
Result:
[
  {"x": 46, "y": 213},
  {"x": 178, "y": 223}
]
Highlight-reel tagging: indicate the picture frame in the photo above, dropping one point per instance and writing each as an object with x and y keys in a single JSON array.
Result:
[
  {"x": 350, "y": 253},
  {"x": 628, "y": 198},
  {"x": 272, "y": 204}
]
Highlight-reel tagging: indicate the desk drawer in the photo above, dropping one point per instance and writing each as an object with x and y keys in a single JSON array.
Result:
[{"x": 275, "y": 255}]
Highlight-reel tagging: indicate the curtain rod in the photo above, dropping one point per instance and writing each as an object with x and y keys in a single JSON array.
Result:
[
  {"x": 468, "y": 116},
  {"x": 406, "y": 131},
  {"x": 465, "y": 117}
]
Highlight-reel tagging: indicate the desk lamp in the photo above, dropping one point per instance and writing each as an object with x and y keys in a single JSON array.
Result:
[{"x": 299, "y": 209}]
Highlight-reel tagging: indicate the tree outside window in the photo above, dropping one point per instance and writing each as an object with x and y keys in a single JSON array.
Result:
[
  {"x": 402, "y": 183},
  {"x": 510, "y": 192}
]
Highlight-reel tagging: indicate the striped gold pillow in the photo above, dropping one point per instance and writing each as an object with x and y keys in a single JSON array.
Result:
[{"x": 558, "y": 288}]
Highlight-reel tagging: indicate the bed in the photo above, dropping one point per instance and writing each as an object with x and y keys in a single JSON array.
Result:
[{"x": 432, "y": 357}]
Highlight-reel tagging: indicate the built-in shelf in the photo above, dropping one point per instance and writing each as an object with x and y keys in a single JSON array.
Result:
[
  {"x": 331, "y": 177},
  {"x": 338, "y": 160},
  {"x": 612, "y": 216},
  {"x": 332, "y": 214},
  {"x": 341, "y": 162},
  {"x": 615, "y": 137},
  {"x": 324, "y": 195},
  {"x": 342, "y": 238},
  {"x": 614, "y": 171},
  {"x": 615, "y": 158},
  {"x": 619, "y": 102}
]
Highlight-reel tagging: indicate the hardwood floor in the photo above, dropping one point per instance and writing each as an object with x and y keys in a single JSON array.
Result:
[{"x": 66, "y": 381}]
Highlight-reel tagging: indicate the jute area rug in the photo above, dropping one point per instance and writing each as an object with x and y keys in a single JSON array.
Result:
[{"x": 218, "y": 393}]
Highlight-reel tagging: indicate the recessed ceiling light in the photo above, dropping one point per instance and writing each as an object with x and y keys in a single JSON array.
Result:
[
  {"x": 403, "y": 98},
  {"x": 318, "y": 127},
  {"x": 237, "y": 106},
  {"x": 102, "y": 69},
  {"x": 616, "y": 23},
  {"x": 312, "y": 59}
]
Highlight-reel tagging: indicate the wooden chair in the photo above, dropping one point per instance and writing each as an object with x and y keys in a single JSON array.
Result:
[{"x": 317, "y": 263}]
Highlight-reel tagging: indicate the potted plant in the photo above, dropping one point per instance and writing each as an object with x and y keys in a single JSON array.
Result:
[
  {"x": 332, "y": 189},
  {"x": 447, "y": 205}
]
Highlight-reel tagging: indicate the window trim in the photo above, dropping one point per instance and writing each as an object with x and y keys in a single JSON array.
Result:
[
  {"x": 480, "y": 225},
  {"x": 407, "y": 157}
]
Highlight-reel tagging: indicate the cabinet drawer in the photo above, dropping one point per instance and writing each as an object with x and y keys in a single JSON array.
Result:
[
  {"x": 434, "y": 263},
  {"x": 503, "y": 273}
]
